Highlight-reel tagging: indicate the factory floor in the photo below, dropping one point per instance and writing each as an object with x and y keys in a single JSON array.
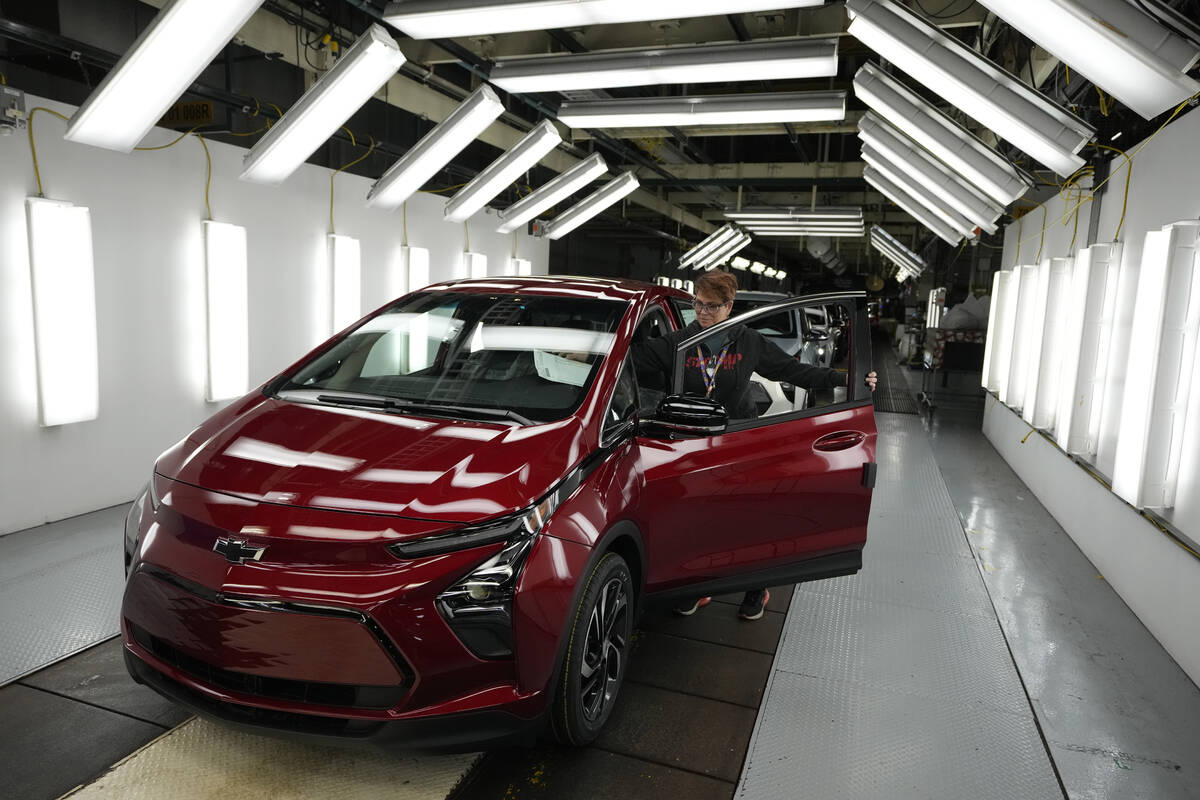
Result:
[{"x": 977, "y": 654}]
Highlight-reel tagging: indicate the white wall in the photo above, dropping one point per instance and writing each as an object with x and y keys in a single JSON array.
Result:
[
  {"x": 146, "y": 211},
  {"x": 1158, "y": 579}
]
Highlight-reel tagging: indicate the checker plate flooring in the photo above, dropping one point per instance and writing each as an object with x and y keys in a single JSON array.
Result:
[{"x": 898, "y": 682}]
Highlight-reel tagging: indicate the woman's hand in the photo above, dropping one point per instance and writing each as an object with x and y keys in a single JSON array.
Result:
[{"x": 871, "y": 379}]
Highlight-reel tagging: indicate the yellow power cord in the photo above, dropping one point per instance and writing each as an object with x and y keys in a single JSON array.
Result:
[
  {"x": 1128, "y": 177},
  {"x": 334, "y": 174},
  {"x": 37, "y": 172}
]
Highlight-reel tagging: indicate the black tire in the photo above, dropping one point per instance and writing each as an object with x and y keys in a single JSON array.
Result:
[{"x": 598, "y": 646}]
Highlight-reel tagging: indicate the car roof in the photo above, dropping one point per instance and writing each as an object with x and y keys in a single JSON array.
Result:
[{"x": 562, "y": 285}]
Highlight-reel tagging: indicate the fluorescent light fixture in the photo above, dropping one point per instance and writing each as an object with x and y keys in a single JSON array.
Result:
[
  {"x": 714, "y": 240},
  {"x": 1024, "y": 337},
  {"x": 1091, "y": 307},
  {"x": 474, "y": 265},
  {"x": 727, "y": 109},
  {"x": 550, "y": 193},
  {"x": 725, "y": 251},
  {"x": 520, "y": 266},
  {"x": 1113, "y": 44},
  {"x": 676, "y": 283},
  {"x": 414, "y": 268},
  {"x": 350, "y": 82},
  {"x": 435, "y": 19},
  {"x": 958, "y": 148},
  {"x": 227, "y": 310},
  {"x": 662, "y": 281},
  {"x": 503, "y": 171},
  {"x": 182, "y": 39},
  {"x": 1010, "y": 109},
  {"x": 769, "y": 273},
  {"x": 1034, "y": 337},
  {"x": 931, "y": 201},
  {"x": 780, "y": 274},
  {"x": 933, "y": 307},
  {"x": 739, "y": 263},
  {"x": 999, "y": 283},
  {"x": 891, "y": 247},
  {"x": 1053, "y": 345},
  {"x": 345, "y": 267},
  {"x": 435, "y": 149},
  {"x": 910, "y": 204},
  {"x": 758, "y": 268},
  {"x": 619, "y": 187},
  {"x": 1162, "y": 360},
  {"x": 62, "y": 278},
  {"x": 769, "y": 214},
  {"x": 1003, "y": 366},
  {"x": 689, "y": 287},
  {"x": 721, "y": 63},
  {"x": 929, "y": 172},
  {"x": 836, "y": 233}
]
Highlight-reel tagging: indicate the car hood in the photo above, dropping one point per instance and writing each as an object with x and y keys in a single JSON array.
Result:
[{"x": 345, "y": 459}]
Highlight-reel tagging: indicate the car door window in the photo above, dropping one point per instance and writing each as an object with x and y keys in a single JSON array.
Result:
[
  {"x": 624, "y": 404},
  {"x": 762, "y": 397},
  {"x": 652, "y": 384}
]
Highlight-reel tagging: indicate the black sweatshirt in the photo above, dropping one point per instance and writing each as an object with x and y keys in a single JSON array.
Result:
[{"x": 749, "y": 352}]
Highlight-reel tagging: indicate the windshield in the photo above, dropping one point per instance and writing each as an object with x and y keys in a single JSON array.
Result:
[{"x": 463, "y": 355}]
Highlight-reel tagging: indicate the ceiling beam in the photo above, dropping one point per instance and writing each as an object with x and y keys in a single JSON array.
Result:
[
  {"x": 849, "y": 125},
  {"x": 722, "y": 173}
]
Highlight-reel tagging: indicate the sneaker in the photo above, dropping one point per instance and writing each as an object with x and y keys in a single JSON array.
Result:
[
  {"x": 754, "y": 605},
  {"x": 687, "y": 611}
]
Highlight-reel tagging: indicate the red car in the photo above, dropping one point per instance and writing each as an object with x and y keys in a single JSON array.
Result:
[{"x": 437, "y": 530}]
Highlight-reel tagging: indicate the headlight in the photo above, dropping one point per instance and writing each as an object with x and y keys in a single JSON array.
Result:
[
  {"x": 479, "y": 607},
  {"x": 133, "y": 525}
]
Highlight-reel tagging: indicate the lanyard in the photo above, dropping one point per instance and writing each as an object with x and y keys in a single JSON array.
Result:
[{"x": 710, "y": 383}]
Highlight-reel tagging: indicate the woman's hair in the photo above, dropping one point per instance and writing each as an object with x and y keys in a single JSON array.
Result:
[{"x": 722, "y": 284}]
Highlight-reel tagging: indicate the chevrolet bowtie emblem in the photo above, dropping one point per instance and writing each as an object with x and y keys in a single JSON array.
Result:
[{"x": 236, "y": 551}]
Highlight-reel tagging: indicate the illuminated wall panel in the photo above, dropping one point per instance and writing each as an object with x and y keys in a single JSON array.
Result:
[{"x": 227, "y": 310}]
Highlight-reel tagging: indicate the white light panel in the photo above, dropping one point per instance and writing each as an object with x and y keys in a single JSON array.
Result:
[
  {"x": 990, "y": 348},
  {"x": 550, "y": 193},
  {"x": 1010, "y": 109},
  {"x": 721, "y": 63},
  {"x": 503, "y": 171},
  {"x": 414, "y": 267},
  {"x": 338, "y": 93},
  {"x": 435, "y": 149},
  {"x": 1113, "y": 44},
  {"x": 182, "y": 39},
  {"x": 730, "y": 109},
  {"x": 345, "y": 267},
  {"x": 1158, "y": 379},
  {"x": 1033, "y": 335},
  {"x": 1007, "y": 352},
  {"x": 434, "y": 19},
  {"x": 520, "y": 266},
  {"x": 227, "y": 310},
  {"x": 64, "y": 311},
  {"x": 474, "y": 265},
  {"x": 611, "y": 192},
  {"x": 1051, "y": 363}
]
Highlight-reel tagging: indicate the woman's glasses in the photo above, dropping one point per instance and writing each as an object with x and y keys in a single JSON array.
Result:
[{"x": 710, "y": 308}]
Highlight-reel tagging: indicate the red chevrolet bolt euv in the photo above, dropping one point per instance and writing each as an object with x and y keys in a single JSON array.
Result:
[{"x": 437, "y": 529}]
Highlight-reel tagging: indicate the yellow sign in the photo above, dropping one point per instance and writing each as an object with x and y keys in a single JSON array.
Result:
[{"x": 188, "y": 114}]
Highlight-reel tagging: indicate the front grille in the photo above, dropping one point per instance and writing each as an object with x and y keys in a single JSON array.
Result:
[{"x": 326, "y": 694}]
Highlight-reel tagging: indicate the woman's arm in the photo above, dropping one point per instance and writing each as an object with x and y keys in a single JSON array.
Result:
[{"x": 774, "y": 364}]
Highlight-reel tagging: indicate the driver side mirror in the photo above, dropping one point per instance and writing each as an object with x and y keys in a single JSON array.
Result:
[{"x": 687, "y": 416}]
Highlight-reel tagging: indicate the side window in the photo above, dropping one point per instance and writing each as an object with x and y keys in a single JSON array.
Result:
[
  {"x": 624, "y": 402},
  {"x": 684, "y": 309},
  {"x": 652, "y": 384}
]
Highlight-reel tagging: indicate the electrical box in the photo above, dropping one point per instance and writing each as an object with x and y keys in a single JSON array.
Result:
[
  {"x": 537, "y": 228},
  {"x": 12, "y": 111}
]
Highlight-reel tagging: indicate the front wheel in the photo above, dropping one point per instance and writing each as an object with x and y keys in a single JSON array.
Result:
[{"x": 597, "y": 653}]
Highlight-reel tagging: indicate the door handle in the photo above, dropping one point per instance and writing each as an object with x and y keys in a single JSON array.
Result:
[{"x": 841, "y": 440}]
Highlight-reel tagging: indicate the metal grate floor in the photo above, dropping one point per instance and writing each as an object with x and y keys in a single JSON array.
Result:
[
  {"x": 891, "y": 393},
  {"x": 898, "y": 682}
]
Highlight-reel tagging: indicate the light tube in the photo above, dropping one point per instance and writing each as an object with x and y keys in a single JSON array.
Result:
[
  {"x": 931, "y": 201},
  {"x": 345, "y": 268},
  {"x": 436, "y": 19},
  {"x": 474, "y": 265},
  {"x": 1162, "y": 358},
  {"x": 227, "y": 310},
  {"x": 802, "y": 223},
  {"x": 993, "y": 330},
  {"x": 1100, "y": 40},
  {"x": 619, "y": 187},
  {"x": 414, "y": 267},
  {"x": 1023, "y": 337},
  {"x": 62, "y": 278},
  {"x": 714, "y": 240},
  {"x": 780, "y": 274},
  {"x": 797, "y": 58},
  {"x": 503, "y": 171},
  {"x": 1053, "y": 364},
  {"x": 1091, "y": 306},
  {"x": 725, "y": 251},
  {"x": 435, "y": 149},
  {"x": 911, "y": 205},
  {"x": 958, "y": 148},
  {"x": 758, "y": 268},
  {"x": 182, "y": 39},
  {"x": 1010, "y": 109},
  {"x": 550, "y": 193},
  {"x": 520, "y": 266},
  {"x": 789, "y": 214},
  {"x": 676, "y": 283},
  {"x": 831, "y": 232},
  {"x": 1003, "y": 368},
  {"x": 662, "y": 281},
  {"x": 1035, "y": 336},
  {"x": 933, "y": 175},
  {"x": 367, "y": 65},
  {"x": 738, "y": 262},
  {"x": 887, "y": 244},
  {"x": 769, "y": 273},
  {"x": 729, "y": 109}
]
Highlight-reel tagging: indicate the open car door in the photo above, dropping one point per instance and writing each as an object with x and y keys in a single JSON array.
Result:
[{"x": 776, "y": 498}]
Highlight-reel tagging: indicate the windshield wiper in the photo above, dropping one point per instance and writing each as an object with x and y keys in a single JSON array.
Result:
[{"x": 408, "y": 406}]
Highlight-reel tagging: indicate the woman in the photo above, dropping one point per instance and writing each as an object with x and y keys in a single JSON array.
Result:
[{"x": 720, "y": 369}]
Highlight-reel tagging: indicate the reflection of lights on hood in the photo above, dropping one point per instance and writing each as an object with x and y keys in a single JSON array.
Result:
[
  {"x": 338, "y": 534},
  {"x": 476, "y": 505},
  {"x": 268, "y": 453},
  {"x": 464, "y": 432},
  {"x": 355, "y": 504},
  {"x": 412, "y": 476}
]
